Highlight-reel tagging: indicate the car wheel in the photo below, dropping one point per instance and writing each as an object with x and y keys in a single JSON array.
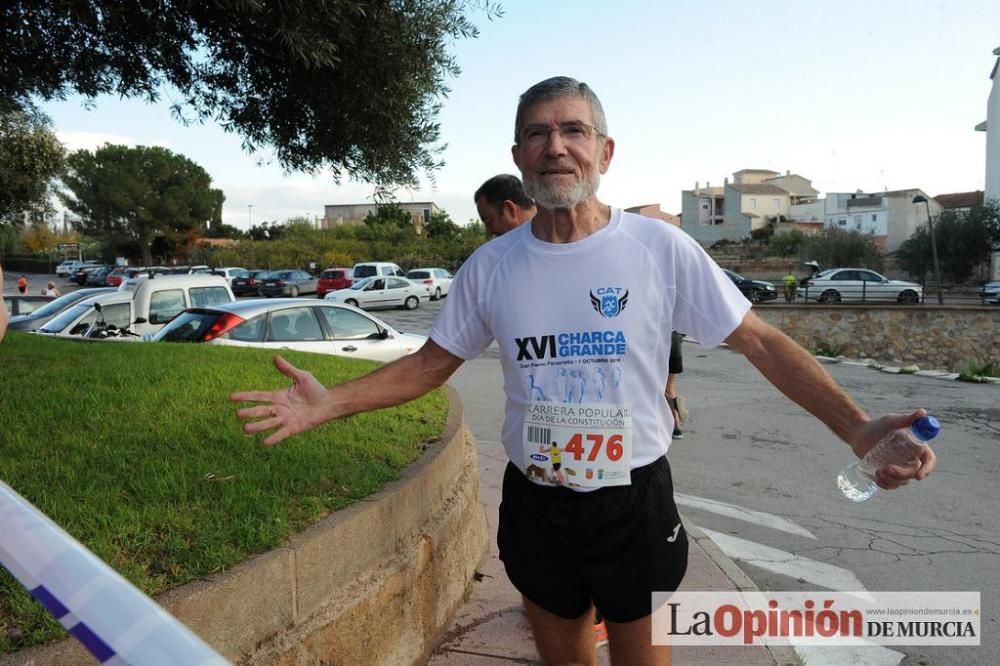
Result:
[
  {"x": 293, "y": 292},
  {"x": 411, "y": 303},
  {"x": 351, "y": 302},
  {"x": 908, "y": 297},
  {"x": 755, "y": 296},
  {"x": 437, "y": 294},
  {"x": 830, "y": 296}
]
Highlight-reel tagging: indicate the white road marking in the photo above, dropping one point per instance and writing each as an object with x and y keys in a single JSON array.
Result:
[
  {"x": 785, "y": 563},
  {"x": 872, "y": 655},
  {"x": 739, "y": 513},
  {"x": 817, "y": 573}
]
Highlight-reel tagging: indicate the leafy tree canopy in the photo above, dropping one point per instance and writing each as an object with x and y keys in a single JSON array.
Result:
[
  {"x": 786, "y": 244},
  {"x": 964, "y": 242},
  {"x": 223, "y": 230},
  {"x": 834, "y": 247},
  {"x": 30, "y": 158},
  {"x": 389, "y": 215},
  {"x": 350, "y": 85},
  {"x": 441, "y": 226},
  {"x": 131, "y": 196}
]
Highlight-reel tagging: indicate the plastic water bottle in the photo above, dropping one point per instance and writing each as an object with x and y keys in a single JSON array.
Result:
[{"x": 899, "y": 447}]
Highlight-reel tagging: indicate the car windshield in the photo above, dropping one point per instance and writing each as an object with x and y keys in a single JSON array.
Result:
[
  {"x": 418, "y": 275},
  {"x": 364, "y": 271},
  {"x": 67, "y": 316},
  {"x": 189, "y": 326},
  {"x": 361, "y": 284},
  {"x": 55, "y": 306}
]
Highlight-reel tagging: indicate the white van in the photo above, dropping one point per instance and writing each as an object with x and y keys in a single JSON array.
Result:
[
  {"x": 376, "y": 269},
  {"x": 145, "y": 306}
]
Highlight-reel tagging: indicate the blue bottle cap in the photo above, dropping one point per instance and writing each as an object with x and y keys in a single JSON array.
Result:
[{"x": 926, "y": 428}]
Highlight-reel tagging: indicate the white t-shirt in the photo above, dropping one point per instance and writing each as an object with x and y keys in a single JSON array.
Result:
[{"x": 584, "y": 327}]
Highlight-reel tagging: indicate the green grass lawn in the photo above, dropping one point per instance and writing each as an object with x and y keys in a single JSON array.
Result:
[{"x": 136, "y": 451}]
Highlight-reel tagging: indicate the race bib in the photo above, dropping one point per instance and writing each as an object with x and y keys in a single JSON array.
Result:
[{"x": 577, "y": 445}]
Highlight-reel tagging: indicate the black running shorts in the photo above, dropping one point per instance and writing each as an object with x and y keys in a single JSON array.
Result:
[{"x": 613, "y": 547}]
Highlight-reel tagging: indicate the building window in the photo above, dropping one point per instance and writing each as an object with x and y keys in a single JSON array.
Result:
[
  {"x": 753, "y": 204},
  {"x": 777, "y": 203},
  {"x": 874, "y": 218},
  {"x": 842, "y": 222}
]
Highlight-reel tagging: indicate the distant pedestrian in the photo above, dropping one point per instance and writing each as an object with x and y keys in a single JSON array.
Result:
[
  {"x": 50, "y": 291},
  {"x": 22, "y": 283},
  {"x": 791, "y": 287},
  {"x": 675, "y": 367}
]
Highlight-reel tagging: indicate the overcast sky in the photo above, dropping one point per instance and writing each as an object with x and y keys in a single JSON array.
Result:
[{"x": 850, "y": 94}]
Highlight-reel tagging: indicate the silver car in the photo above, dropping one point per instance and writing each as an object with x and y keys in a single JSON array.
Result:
[
  {"x": 438, "y": 280},
  {"x": 990, "y": 292},
  {"x": 383, "y": 292},
  {"x": 859, "y": 285},
  {"x": 322, "y": 327}
]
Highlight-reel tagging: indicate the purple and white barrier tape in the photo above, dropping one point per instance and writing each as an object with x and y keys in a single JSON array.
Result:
[{"x": 116, "y": 622}]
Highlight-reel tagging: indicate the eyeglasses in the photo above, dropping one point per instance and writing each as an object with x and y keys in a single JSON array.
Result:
[{"x": 534, "y": 136}]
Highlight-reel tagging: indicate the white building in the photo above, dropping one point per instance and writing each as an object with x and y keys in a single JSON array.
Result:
[
  {"x": 891, "y": 217},
  {"x": 992, "y": 128}
]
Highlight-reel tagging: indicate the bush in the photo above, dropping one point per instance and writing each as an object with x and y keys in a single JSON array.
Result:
[
  {"x": 836, "y": 247},
  {"x": 786, "y": 244}
]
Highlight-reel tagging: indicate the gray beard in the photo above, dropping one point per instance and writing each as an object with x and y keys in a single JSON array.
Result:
[{"x": 569, "y": 198}]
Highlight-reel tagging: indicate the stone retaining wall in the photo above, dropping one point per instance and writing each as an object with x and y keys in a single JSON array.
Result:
[
  {"x": 933, "y": 338},
  {"x": 374, "y": 583}
]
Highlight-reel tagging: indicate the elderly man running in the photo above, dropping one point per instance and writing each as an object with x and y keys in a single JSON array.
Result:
[{"x": 577, "y": 301}]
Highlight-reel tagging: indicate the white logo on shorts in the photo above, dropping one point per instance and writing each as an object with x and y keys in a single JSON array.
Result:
[{"x": 673, "y": 537}]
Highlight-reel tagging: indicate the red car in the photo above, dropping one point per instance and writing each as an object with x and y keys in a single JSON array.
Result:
[
  {"x": 115, "y": 276},
  {"x": 333, "y": 279}
]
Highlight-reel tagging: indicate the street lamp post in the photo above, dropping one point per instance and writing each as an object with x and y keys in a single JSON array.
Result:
[
  {"x": 250, "y": 214},
  {"x": 934, "y": 256}
]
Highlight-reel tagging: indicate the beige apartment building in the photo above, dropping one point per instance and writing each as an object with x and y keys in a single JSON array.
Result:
[{"x": 338, "y": 214}]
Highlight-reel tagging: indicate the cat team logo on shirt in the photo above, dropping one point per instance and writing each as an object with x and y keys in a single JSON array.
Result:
[{"x": 609, "y": 301}]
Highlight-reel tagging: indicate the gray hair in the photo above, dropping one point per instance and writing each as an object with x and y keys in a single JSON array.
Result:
[{"x": 559, "y": 86}]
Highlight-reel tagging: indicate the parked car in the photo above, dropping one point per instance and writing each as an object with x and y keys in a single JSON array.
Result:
[
  {"x": 756, "y": 291},
  {"x": 376, "y": 269},
  {"x": 333, "y": 279},
  {"x": 81, "y": 274},
  {"x": 145, "y": 307},
  {"x": 249, "y": 283},
  {"x": 288, "y": 283},
  {"x": 990, "y": 292},
  {"x": 324, "y": 328},
  {"x": 387, "y": 292},
  {"x": 98, "y": 276},
  {"x": 19, "y": 304},
  {"x": 37, "y": 318},
  {"x": 859, "y": 285},
  {"x": 438, "y": 279},
  {"x": 64, "y": 269},
  {"x": 115, "y": 276},
  {"x": 230, "y": 273},
  {"x": 71, "y": 266}
]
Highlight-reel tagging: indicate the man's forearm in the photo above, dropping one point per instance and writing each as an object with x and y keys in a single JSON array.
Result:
[
  {"x": 797, "y": 374},
  {"x": 395, "y": 383}
]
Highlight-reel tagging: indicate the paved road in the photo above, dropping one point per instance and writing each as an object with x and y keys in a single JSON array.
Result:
[{"x": 748, "y": 449}]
